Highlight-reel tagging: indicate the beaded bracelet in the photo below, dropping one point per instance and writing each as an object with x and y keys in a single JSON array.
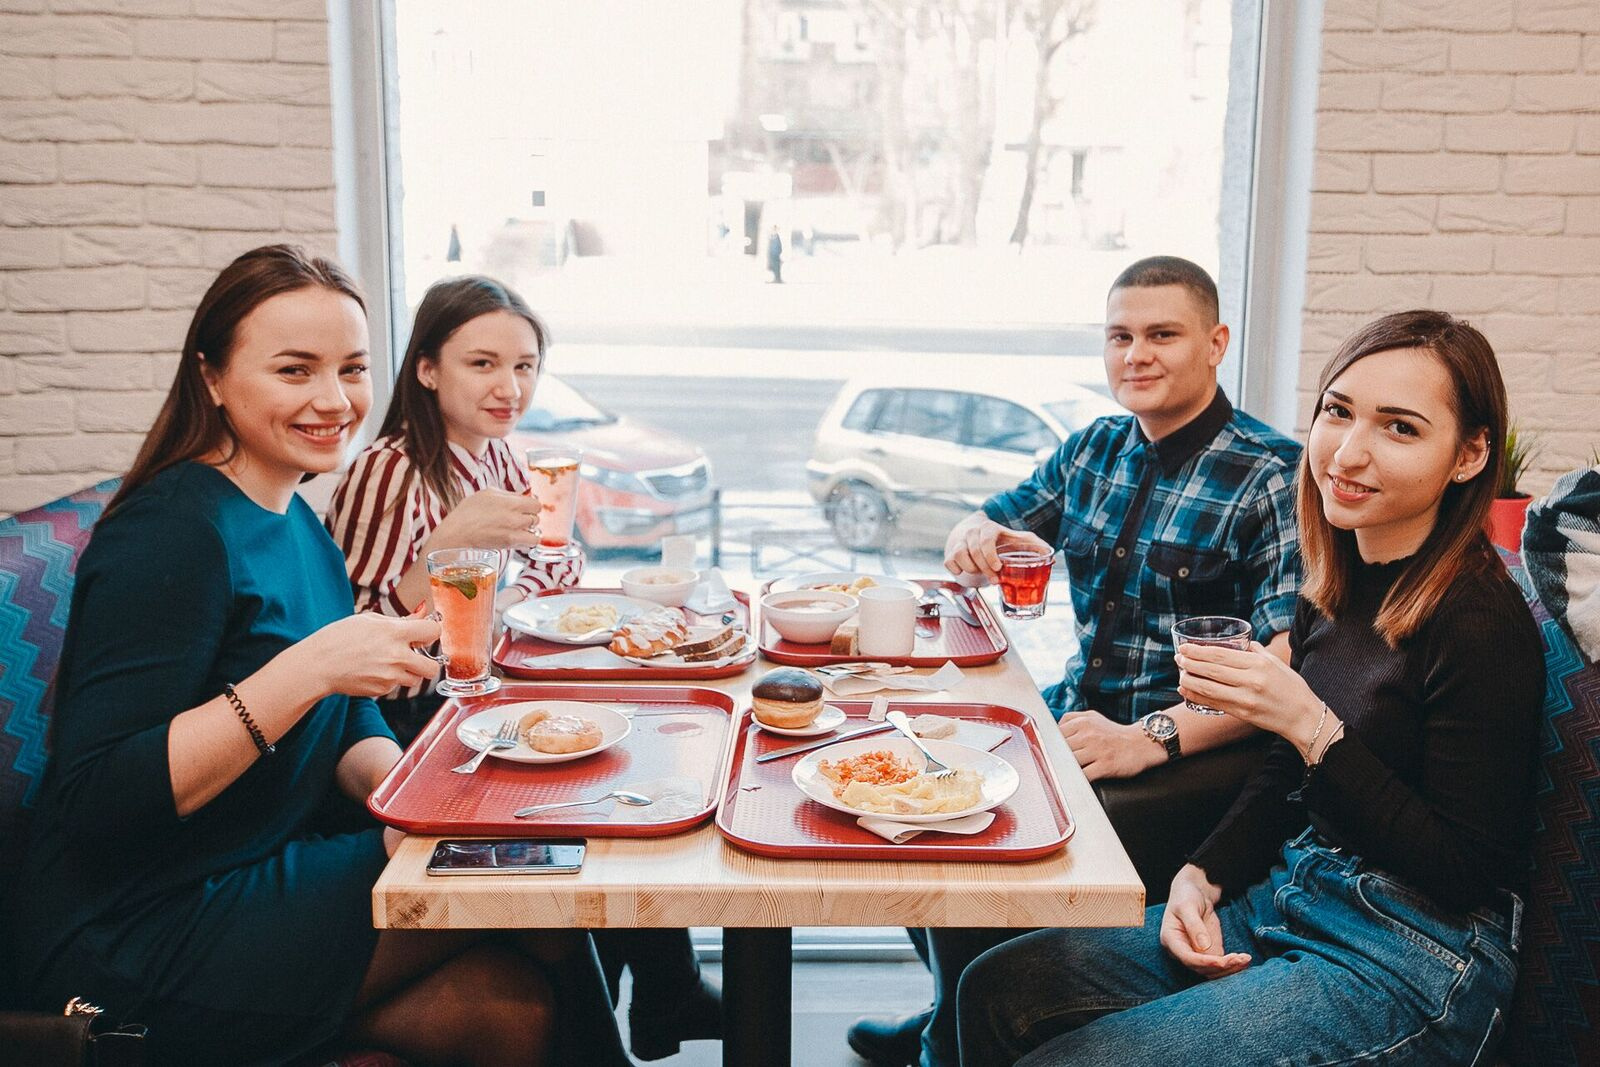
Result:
[{"x": 263, "y": 746}]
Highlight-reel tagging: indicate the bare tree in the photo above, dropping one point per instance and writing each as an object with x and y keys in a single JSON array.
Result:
[{"x": 1049, "y": 24}]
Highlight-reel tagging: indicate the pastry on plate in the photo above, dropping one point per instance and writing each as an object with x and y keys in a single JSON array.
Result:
[
  {"x": 787, "y": 697},
  {"x": 560, "y": 734},
  {"x": 651, "y": 633}
]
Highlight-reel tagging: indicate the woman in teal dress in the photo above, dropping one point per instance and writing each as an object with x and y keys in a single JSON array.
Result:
[{"x": 214, "y": 690}]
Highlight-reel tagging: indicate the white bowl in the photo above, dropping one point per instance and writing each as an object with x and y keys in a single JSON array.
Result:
[
  {"x": 808, "y": 626},
  {"x": 669, "y": 586}
]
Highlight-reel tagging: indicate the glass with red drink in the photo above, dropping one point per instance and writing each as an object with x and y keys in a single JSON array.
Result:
[
  {"x": 1024, "y": 581},
  {"x": 462, "y": 581},
  {"x": 553, "y": 473}
]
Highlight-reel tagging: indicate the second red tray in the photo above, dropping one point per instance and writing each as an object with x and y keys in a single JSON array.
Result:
[
  {"x": 946, "y": 639},
  {"x": 678, "y": 732},
  {"x": 763, "y": 811}
]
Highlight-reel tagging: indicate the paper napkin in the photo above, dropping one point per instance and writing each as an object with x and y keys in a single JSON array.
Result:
[
  {"x": 711, "y": 595},
  {"x": 945, "y": 677},
  {"x": 898, "y": 833},
  {"x": 676, "y": 797}
]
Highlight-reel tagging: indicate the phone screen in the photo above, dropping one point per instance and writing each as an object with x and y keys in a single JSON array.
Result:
[{"x": 507, "y": 856}]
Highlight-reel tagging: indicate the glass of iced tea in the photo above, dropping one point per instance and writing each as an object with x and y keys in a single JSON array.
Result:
[
  {"x": 463, "y": 581},
  {"x": 1222, "y": 630},
  {"x": 1024, "y": 581},
  {"x": 553, "y": 473}
]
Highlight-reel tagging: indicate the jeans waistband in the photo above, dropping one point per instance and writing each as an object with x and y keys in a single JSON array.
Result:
[{"x": 1504, "y": 912}]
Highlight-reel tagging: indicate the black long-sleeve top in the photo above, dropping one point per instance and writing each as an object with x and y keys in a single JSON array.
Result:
[{"x": 1433, "y": 778}]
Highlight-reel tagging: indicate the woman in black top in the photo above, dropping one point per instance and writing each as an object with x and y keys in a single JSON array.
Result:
[{"x": 1399, "y": 795}]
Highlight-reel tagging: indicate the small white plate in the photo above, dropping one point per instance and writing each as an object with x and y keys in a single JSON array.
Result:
[
  {"x": 845, "y": 578},
  {"x": 475, "y": 730},
  {"x": 1000, "y": 779},
  {"x": 538, "y": 614},
  {"x": 745, "y": 650},
  {"x": 830, "y": 720}
]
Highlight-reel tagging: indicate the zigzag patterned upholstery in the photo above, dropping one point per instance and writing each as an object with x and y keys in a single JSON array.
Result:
[
  {"x": 38, "y": 558},
  {"x": 1555, "y": 1017}
]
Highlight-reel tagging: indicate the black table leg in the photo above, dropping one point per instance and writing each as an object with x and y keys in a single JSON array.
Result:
[{"x": 756, "y": 997}]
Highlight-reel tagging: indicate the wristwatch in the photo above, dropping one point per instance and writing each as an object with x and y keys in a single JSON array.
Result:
[{"x": 1162, "y": 728}]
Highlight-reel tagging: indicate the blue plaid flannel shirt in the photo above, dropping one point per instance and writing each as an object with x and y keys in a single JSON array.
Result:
[{"x": 1216, "y": 535}]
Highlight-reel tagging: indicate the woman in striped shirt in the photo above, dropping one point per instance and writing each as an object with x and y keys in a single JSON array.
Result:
[{"x": 440, "y": 475}]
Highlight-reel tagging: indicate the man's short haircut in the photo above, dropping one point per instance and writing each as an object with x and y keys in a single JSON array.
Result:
[{"x": 1171, "y": 270}]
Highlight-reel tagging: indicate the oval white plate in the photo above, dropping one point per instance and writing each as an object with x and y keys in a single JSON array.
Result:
[
  {"x": 537, "y": 615},
  {"x": 812, "y": 581},
  {"x": 1000, "y": 779},
  {"x": 475, "y": 730},
  {"x": 830, "y": 720}
]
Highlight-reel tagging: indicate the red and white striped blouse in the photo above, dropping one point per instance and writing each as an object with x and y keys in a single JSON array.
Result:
[{"x": 381, "y": 535}]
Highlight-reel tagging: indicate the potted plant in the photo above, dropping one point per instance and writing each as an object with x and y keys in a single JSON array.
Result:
[{"x": 1510, "y": 506}]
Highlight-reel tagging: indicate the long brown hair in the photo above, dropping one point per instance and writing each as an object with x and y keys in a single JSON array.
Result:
[
  {"x": 190, "y": 424},
  {"x": 414, "y": 411},
  {"x": 1457, "y": 545}
]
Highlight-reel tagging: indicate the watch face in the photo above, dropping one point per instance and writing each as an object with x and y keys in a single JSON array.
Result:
[{"x": 1160, "y": 725}]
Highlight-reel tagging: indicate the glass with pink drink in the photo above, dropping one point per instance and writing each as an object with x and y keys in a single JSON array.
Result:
[
  {"x": 462, "y": 583},
  {"x": 553, "y": 475}
]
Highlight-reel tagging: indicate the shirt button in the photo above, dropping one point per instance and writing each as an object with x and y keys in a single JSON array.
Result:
[
  {"x": 1097, "y": 661},
  {"x": 1121, "y": 552},
  {"x": 1183, "y": 572},
  {"x": 1111, "y": 605}
]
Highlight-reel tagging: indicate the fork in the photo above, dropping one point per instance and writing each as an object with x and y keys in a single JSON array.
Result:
[
  {"x": 898, "y": 720},
  {"x": 505, "y": 737}
]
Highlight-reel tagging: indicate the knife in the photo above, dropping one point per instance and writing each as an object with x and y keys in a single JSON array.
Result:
[
  {"x": 962, "y": 606},
  {"x": 795, "y": 750}
]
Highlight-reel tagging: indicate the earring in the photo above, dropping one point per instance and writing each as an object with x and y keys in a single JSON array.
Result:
[{"x": 1461, "y": 476}]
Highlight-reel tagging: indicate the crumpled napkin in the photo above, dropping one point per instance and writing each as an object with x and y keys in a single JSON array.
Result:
[
  {"x": 676, "y": 797},
  {"x": 945, "y": 677},
  {"x": 711, "y": 595},
  {"x": 898, "y": 833}
]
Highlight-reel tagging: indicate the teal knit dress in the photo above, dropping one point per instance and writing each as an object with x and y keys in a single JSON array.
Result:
[{"x": 237, "y": 934}]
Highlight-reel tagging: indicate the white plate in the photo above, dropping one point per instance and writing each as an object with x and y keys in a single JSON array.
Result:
[
  {"x": 746, "y": 650},
  {"x": 812, "y": 581},
  {"x": 830, "y": 720},
  {"x": 475, "y": 730},
  {"x": 538, "y": 614},
  {"x": 999, "y": 777}
]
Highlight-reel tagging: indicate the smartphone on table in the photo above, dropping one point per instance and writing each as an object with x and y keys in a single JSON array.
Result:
[{"x": 516, "y": 855}]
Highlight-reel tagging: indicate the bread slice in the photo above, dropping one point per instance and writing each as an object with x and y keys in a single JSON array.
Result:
[
  {"x": 703, "y": 642},
  {"x": 730, "y": 646},
  {"x": 846, "y": 639}
]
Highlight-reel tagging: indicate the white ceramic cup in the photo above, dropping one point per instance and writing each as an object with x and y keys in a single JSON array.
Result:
[
  {"x": 678, "y": 550},
  {"x": 888, "y": 620}
]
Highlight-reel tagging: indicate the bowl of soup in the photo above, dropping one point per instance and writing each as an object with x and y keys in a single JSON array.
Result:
[
  {"x": 669, "y": 586},
  {"x": 807, "y": 616}
]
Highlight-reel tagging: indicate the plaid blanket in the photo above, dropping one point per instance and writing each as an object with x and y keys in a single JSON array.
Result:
[{"x": 1561, "y": 549}]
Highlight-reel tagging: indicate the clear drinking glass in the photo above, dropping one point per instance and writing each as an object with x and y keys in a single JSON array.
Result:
[
  {"x": 463, "y": 581},
  {"x": 1222, "y": 630},
  {"x": 553, "y": 473},
  {"x": 1024, "y": 582}
]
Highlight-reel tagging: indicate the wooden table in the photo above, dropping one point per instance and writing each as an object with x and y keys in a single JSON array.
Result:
[{"x": 697, "y": 879}]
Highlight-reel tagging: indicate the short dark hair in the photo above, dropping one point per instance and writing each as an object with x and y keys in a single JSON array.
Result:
[{"x": 1171, "y": 270}]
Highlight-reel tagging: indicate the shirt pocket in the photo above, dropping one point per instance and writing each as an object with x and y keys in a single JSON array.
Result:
[
  {"x": 1184, "y": 581},
  {"x": 1086, "y": 554}
]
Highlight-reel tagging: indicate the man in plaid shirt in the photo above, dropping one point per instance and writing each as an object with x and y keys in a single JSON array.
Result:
[{"x": 1184, "y": 508}]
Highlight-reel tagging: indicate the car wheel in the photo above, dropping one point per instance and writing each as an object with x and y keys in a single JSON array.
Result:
[{"x": 859, "y": 516}]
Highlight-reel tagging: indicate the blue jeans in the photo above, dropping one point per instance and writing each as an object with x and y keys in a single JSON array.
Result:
[{"x": 1348, "y": 965}]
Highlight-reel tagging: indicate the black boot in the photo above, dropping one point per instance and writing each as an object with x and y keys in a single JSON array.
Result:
[
  {"x": 885, "y": 1042},
  {"x": 654, "y": 1035}
]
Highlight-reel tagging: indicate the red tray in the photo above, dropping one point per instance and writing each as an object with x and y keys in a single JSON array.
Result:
[
  {"x": 948, "y": 638},
  {"x": 518, "y": 654},
  {"x": 763, "y": 811},
  {"x": 677, "y": 730}
]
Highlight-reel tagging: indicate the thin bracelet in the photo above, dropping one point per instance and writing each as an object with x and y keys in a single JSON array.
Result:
[
  {"x": 262, "y": 745},
  {"x": 1338, "y": 732},
  {"x": 1312, "y": 747}
]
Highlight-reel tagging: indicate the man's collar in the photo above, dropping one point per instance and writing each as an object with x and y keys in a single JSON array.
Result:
[{"x": 1188, "y": 440}]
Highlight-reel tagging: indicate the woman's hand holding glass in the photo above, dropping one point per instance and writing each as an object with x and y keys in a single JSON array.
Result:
[
  {"x": 490, "y": 518},
  {"x": 1190, "y": 929},
  {"x": 369, "y": 655},
  {"x": 1252, "y": 685}
]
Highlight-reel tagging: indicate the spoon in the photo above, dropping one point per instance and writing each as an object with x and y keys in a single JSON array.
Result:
[{"x": 622, "y": 796}]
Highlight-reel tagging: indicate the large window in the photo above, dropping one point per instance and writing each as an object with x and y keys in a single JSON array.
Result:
[{"x": 735, "y": 212}]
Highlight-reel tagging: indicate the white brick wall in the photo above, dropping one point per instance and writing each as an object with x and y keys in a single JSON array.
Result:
[
  {"x": 1458, "y": 167},
  {"x": 143, "y": 144}
]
